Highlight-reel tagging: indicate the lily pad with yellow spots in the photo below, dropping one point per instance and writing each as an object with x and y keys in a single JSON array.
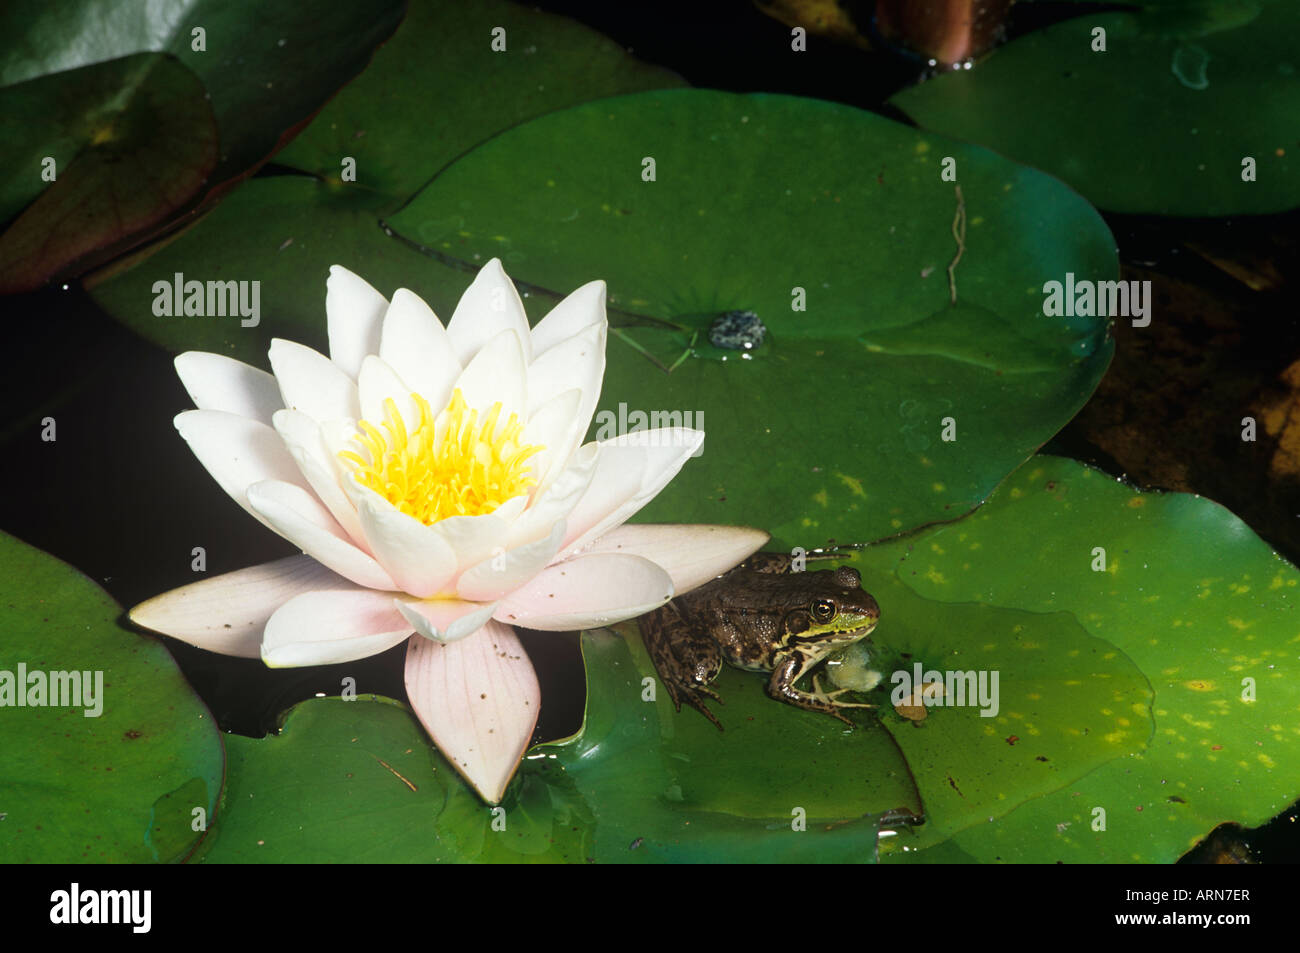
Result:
[
  {"x": 1032, "y": 702},
  {"x": 1186, "y": 592}
]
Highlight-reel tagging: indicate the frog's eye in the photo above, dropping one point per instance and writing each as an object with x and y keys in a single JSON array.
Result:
[{"x": 823, "y": 610}]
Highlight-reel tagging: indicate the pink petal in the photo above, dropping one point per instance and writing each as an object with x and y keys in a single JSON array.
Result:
[
  {"x": 228, "y": 613},
  {"x": 690, "y": 554},
  {"x": 445, "y": 620},
  {"x": 478, "y": 699},
  {"x": 339, "y": 624},
  {"x": 587, "y": 591}
]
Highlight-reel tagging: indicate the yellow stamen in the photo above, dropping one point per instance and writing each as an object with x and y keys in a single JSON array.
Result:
[{"x": 445, "y": 466}]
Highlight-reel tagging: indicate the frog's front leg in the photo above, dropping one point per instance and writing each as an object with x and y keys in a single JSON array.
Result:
[
  {"x": 833, "y": 697},
  {"x": 781, "y": 687},
  {"x": 686, "y": 660}
]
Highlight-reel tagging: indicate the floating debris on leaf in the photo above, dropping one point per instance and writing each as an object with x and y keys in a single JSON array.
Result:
[{"x": 737, "y": 331}]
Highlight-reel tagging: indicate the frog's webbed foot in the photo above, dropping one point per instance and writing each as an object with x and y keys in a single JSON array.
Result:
[
  {"x": 691, "y": 695},
  {"x": 781, "y": 687},
  {"x": 832, "y": 698}
]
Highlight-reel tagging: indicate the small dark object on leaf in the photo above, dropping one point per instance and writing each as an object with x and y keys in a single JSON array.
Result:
[{"x": 737, "y": 331}]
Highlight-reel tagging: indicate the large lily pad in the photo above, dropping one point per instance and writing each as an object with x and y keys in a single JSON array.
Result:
[
  {"x": 1193, "y": 598},
  {"x": 120, "y": 786},
  {"x": 1158, "y": 123},
  {"x": 1064, "y": 702},
  {"x": 831, "y": 427}
]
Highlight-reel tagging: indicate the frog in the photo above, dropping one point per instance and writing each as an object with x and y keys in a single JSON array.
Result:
[{"x": 760, "y": 616}]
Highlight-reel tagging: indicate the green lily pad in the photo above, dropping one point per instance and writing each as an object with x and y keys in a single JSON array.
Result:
[
  {"x": 832, "y": 426},
  {"x": 358, "y": 782},
  {"x": 116, "y": 777},
  {"x": 1198, "y": 602},
  {"x": 778, "y": 785},
  {"x": 1063, "y": 703},
  {"x": 1158, "y": 123},
  {"x": 133, "y": 140},
  {"x": 402, "y": 120}
]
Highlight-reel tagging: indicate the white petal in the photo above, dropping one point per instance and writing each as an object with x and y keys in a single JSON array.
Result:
[
  {"x": 417, "y": 347},
  {"x": 489, "y": 306},
  {"x": 497, "y": 374},
  {"x": 227, "y": 613},
  {"x": 474, "y": 538},
  {"x": 378, "y": 382},
  {"x": 354, "y": 312},
  {"x": 501, "y": 575},
  {"x": 302, "y": 436},
  {"x": 299, "y": 517},
  {"x": 238, "y": 452},
  {"x": 420, "y": 560},
  {"x": 445, "y": 620},
  {"x": 217, "y": 382},
  {"x": 478, "y": 699},
  {"x": 580, "y": 310},
  {"x": 338, "y": 624},
  {"x": 587, "y": 591},
  {"x": 690, "y": 554},
  {"x": 578, "y": 362},
  {"x": 311, "y": 382},
  {"x": 553, "y": 426},
  {"x": 556, "y": 502},
  {"x": 664, "y": 452},
  {"x": 618, "y": 478}
]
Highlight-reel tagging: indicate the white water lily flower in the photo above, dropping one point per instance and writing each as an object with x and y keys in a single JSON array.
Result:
[{"x": 436, "y": 481}]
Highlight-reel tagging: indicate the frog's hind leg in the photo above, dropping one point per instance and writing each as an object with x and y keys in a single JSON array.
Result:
[
  {"x": 692, "y": 698},
  {"x": 685, "y": 660}
]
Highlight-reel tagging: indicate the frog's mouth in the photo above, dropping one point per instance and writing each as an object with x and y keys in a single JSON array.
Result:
[{"x": 864, "y": 626}]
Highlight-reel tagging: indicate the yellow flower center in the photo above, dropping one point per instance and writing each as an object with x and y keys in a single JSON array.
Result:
[{"x": 450, "y": 465}]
